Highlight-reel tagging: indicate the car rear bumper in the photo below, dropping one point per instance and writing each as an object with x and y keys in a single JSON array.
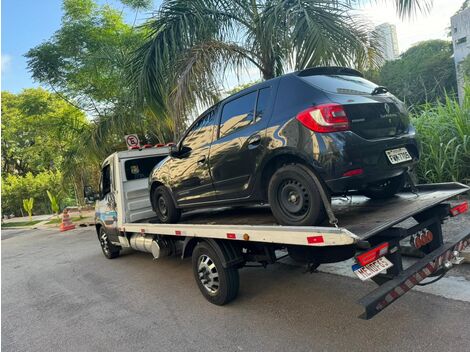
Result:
[{"x": 352, "y": 152}]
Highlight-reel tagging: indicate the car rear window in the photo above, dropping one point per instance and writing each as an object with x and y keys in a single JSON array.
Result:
[{"x": 341, "y": 84}]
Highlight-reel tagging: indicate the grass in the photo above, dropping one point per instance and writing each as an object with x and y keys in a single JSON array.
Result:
[
  {"x": 444, "y": 133},
  {"x": 20, "y": 223},
  {"x": 59, "y": 220}
]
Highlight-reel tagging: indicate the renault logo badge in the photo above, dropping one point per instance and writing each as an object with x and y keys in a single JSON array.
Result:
[{"x": 387, "y": 108}]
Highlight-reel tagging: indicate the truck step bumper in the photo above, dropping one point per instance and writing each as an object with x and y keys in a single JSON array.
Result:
[{"x": 390, "y": 291}]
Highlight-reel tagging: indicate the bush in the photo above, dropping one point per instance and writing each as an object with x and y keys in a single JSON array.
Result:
[
  {"x": 444, "y": 134},
  {"x": 16, "y": 188}
]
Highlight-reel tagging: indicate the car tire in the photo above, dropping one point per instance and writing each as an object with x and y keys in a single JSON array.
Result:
[
  {"x": 217, "y": 284},
  {"x": 164, "y": 206},
  {"x": 110, "y": 251},
  {"x": 294, "y": 197},
  {"x": 386, "y": 188}
]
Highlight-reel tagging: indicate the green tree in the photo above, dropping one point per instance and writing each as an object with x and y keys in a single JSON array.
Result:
[
  {"x": 424, "y": 73},
  {"x": 28, "y": 206},
  {"x": 85, "y": 61},
  {"x": 15, "y": 188},
  {"x": 37, "y": 128},
  {"x": 191, "y": 44}
]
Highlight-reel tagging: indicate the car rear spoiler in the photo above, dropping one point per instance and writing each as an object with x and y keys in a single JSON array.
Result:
[{"x": 436, "y": 262}]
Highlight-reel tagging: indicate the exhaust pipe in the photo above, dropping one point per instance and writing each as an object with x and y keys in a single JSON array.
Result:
[{"x": 158, "y": 247}]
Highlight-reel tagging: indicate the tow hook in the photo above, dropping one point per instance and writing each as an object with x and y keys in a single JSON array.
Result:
[{"x": 456, "y": 259}]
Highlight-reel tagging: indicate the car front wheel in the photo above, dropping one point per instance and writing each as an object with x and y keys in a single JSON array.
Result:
[{"x": 164, "y": 206}]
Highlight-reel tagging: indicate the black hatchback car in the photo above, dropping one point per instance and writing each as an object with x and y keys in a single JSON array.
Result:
[{"x": 264, "y": 143}]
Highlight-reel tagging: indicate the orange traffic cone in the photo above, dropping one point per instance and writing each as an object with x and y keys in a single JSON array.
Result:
[{"x": 66, "y": 221}]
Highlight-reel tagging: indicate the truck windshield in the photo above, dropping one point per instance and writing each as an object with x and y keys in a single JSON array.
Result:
[
  {"x": 141, "y": 168},
  {"x": 341, "y": 84}
]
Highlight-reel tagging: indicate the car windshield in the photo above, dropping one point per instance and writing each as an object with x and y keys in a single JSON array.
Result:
[{"x": 341, "y": 84}]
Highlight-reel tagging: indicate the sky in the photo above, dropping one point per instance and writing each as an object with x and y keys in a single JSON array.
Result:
[{"x": 27, "y": 23}]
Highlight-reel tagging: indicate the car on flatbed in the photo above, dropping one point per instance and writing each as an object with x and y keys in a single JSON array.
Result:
[
  {"x": 221, "y": 241},
  {"x": 283, "y": 142}
]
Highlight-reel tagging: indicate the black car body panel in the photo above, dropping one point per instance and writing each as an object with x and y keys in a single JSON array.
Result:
[{"x": 223, "y": 157}]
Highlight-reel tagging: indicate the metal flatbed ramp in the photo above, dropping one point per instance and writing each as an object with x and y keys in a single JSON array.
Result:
[
  {"x": 359, "y": 218},
  {"x": 366, "y": 217}
]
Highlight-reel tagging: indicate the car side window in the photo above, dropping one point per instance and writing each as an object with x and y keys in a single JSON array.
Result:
[
  {"x": 237, "y": 114},
  {"x": 201, "y": 133},
  {"x": 105, "y": 181},
  {"x": 261, "y": 105}
]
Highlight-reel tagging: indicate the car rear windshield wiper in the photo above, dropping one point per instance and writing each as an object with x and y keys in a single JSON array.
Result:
[{"x": 379, "y": 90}]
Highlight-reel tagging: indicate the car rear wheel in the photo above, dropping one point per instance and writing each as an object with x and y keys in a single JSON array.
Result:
[
  {"x": 294, "y": 198},
  {"x": 164, "y": 206},
  {"x": 385, "y": 189}
]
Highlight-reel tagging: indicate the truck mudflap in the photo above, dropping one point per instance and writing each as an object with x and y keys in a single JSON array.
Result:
[{"x": 440, "y": 260}]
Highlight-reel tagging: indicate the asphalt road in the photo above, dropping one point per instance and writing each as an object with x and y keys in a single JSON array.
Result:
[{"x": 59, "y": 293}]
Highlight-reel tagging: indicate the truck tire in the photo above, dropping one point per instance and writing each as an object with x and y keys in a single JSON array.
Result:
[
  {"x": 110, "y": 251},
  {"x": 294, "y": 198},
  {"x": 164, "y": 206},
  {"x": 217, "y": 284},
  {"x": 385, "y": 189}
]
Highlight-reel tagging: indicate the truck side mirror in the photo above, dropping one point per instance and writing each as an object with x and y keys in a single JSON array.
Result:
[{"x": 89, "y": 194}]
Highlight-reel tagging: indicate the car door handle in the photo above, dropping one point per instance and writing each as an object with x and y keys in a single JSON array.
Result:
[
  {"x": 201, "y": 160},
  {"x": 254, "y": 141}
]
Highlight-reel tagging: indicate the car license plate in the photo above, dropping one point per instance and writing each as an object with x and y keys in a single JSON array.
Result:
[
  {"x": 370, "y": 270},
  {"x": 399, "y": 155}
]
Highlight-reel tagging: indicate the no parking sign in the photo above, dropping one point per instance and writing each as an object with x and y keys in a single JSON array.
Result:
[{"x": 132, "y": 140}]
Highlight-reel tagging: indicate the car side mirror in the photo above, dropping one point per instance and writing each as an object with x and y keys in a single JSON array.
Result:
[{"x": 178, "y": 151}]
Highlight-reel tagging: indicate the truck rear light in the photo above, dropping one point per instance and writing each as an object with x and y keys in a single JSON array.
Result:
[
  {"x": 354, "y": 172},
  {"x": 459, "y": 209},
  {"x": 324, "y": 118},
  {"x": 372, "y": 254}
]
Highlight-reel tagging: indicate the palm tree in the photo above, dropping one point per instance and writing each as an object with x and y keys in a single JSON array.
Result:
[{"x": 191, "y": 44}]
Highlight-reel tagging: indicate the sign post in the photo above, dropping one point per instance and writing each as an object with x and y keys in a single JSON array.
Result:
[{"x": 132, "y": 141}]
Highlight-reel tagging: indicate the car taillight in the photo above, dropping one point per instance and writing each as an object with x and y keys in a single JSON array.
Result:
[
  {"x": 459, "y": 209},
  {"x": 325, "y": 118},
  {"x": 372, "y": 254}
]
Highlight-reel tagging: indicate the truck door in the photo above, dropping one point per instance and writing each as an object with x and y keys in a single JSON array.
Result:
[
  {"x": 190, "y": 170},
  {"x": 239, "y": 148},
  {"x": 106, "y": 211}
]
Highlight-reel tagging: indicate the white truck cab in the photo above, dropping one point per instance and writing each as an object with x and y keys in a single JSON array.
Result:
[{"x": 123, "y": 194}]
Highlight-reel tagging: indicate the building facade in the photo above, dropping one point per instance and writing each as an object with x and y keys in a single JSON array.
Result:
[
  {"x": 460, "y": 27},
  {"x": 386, "y": 36}
]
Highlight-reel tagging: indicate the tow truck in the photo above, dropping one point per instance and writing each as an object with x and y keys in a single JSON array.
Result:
[{"x": 224, "y": 240}]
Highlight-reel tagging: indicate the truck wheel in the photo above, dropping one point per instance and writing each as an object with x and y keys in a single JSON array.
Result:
[
  {"x": 294, "y": 198},
  {"x": 217, "y": 284},
  {"x": 110, "y": 251},
  {"x": 385, "y": 189},
  {"x": 165, "y": 207}
]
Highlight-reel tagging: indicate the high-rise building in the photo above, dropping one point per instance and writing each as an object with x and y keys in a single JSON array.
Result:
[
  {"x": 460, "y": 27},
  {"x": 386, "y": 36}
]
